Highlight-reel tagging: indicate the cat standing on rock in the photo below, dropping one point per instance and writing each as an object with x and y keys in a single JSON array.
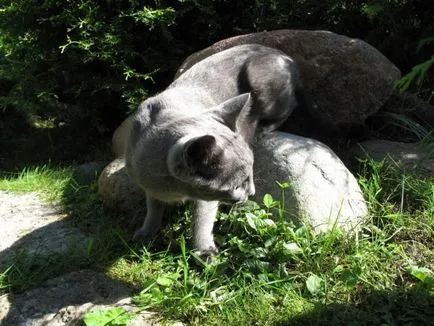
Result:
[{"x": 193, "y": 140}]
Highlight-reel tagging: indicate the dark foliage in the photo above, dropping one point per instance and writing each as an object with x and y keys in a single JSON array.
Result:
[{"x": 86, "y": 64}]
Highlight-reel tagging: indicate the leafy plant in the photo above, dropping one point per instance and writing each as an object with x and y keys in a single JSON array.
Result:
[
  {"x": 108, "y": 317},
  {"x": 425, "y": 275},
  {"x": 419, "y": 71},
  {"x": 416, "y": 75},
  {"x": 69, "y": 59},
  {"x": 315, "y": 284}
]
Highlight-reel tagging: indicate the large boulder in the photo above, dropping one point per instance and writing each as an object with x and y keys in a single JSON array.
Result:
[
  {"x": 347, "y": 78},
  {"x": 322, "y": 191}
]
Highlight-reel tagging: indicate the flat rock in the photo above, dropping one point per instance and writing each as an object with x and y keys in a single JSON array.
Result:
[
  {"x": 415, "y": 157},
  {"x": 322, "y": 191},
  {"x": 36, "y": 227},
  {"x": 347, "y": 78},
  {"x": 65, "y": 299}
]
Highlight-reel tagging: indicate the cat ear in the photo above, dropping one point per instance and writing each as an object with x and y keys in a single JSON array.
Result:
[
  {"x": 199, "y": 151},
  {"x": 234, "y": 111}
]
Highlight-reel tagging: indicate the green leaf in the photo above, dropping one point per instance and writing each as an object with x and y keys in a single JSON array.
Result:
[
  {"x": 425, "y": 275},
  {"x": 108, "y": 317},
  {"x": 314, "y": 284},
  {"x": 348, "y": 276},
  {"x": 167, "y": 279},
  {"x": 417, "y": 74},
  {"x": 292, "y": 248},
  {"x": 250, "y": 218},
  {"x": 268, "y": 201},
  {"x": 302, "y": 232},
  {"x": 423, "y": 42},
  {"x": 268, "y": 222},
  {"x": 283, "y": 185}
]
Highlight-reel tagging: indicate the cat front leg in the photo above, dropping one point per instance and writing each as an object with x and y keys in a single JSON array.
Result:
[
  {"x": 154, "y": 215},
  {"x": 204, "y": 215}
]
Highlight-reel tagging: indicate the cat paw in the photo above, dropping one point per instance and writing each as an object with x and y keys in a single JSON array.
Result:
[
  {"x": 207, "y": 255},
  {"x": 143, "y": 236}
]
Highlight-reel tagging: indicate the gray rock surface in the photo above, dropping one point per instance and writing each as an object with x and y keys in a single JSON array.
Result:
[
  {"x": 28, "y": 225},
  {"x": 86, "y": 173},
  {"x": 348, "y": 78},
  {"x": 116, "y": 189},
  {"x": 414, "y": 157},
  {"x": 64, "y": 300},
  {"x": 322, "y": 191}
]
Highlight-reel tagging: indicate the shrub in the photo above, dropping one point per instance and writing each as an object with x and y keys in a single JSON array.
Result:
[
  {"x": 75, "y": 59},
  {"x": 69, "y": 62}
]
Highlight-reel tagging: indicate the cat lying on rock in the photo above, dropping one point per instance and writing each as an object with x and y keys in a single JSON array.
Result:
[{"x": 193, "y": 140}]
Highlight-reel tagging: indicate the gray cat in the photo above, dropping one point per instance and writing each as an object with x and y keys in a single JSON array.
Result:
[{"x": 193, "y": 140}]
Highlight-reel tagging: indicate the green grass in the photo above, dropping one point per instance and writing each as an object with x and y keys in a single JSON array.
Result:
[
  {"x": 269, "y": 271},
  {"x": 48, "y": 181}
]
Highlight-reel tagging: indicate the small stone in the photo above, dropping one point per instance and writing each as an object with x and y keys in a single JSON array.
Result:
[
  {"x": 116, "y": 189},
  {"x": 87, "y": 173}
]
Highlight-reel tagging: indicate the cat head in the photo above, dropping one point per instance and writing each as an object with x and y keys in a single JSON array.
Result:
[{"x": 217, "y": 164}]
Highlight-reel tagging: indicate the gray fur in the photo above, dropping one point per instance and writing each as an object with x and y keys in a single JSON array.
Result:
[{"x": 192, "y": 141}]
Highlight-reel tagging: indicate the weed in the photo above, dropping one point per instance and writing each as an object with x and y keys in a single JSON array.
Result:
[{"x": 108, "y": 317}]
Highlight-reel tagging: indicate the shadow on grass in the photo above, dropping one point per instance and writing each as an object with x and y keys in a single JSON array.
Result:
[
  {"x": 67, "y": 239},
  {"x": 22, "y": 145},
  {"x": 401, "y": 307}
]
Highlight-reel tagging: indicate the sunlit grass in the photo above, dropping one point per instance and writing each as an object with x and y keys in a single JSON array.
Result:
[
  {"x": 269, "y": 271},
  {"x": 49, "y": 181}
]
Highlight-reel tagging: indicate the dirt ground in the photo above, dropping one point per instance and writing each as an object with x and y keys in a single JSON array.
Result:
[{"x": 29, "y": 224}]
